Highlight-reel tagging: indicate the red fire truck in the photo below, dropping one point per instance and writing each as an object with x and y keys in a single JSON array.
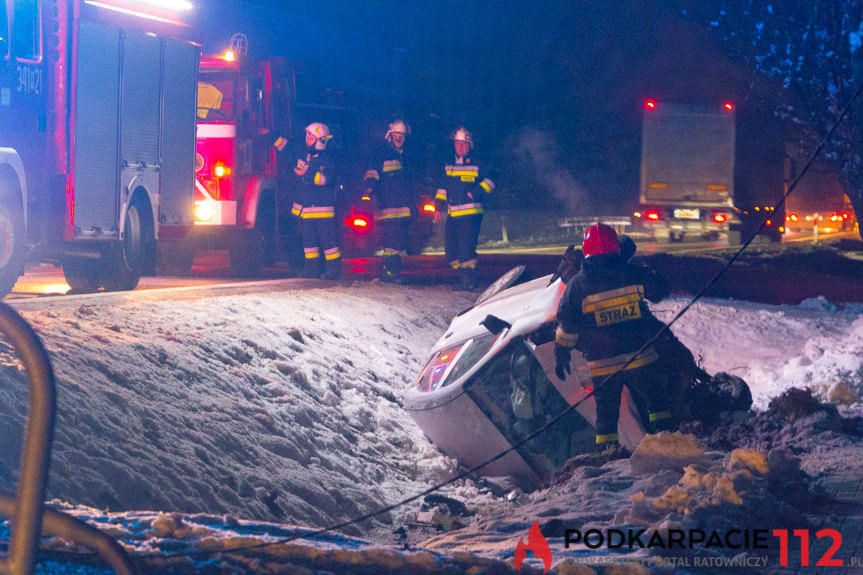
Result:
[{"x": 96, "y": 127}]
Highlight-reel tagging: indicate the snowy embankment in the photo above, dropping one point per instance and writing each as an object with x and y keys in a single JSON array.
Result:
[
  {"x": 281, "y": 407},
  {"x": 285, "y": 406}
]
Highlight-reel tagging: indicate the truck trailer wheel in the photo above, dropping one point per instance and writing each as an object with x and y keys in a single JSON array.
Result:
[
  {"x": 12, "y": 245},
  {"x": 124, "y": 263}
]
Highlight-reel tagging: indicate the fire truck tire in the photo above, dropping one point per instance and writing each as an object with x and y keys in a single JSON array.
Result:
[
  {"x": 124, "y": 264},
  {"x": 247, "y": 258},
  {"x": 83, "y": 275},
  {"x": 175, "y": 260},
  {"x": 12, "y": 245}
]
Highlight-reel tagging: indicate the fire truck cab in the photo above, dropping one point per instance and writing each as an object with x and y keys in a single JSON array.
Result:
[{"x": 96, "y": 125}]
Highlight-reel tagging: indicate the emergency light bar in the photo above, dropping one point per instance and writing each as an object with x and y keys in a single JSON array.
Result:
[{"x": 139, "y": 9}]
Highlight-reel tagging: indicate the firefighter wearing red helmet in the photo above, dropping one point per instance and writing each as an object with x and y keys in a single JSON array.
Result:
[
  {"x": 463, "y": 187},
  {"x": 390, "y": 183},
  {"x": 604, "y": 313},
  {"x": 317, "y": 206}
]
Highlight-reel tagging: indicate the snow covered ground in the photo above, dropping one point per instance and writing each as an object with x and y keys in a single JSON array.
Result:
[{"x": 285, "y": 406}]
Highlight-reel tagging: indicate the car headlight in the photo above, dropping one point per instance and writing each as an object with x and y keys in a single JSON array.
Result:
[{"x": 449, "y": 364}]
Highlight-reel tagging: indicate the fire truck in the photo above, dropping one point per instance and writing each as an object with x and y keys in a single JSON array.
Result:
[{"x": 96, "y": 130}]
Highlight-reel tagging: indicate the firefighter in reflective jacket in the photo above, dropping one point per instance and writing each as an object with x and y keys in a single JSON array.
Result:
[
  {"x": 603, "y": 313},
  {"x": 317, "y": 205},
  {"x": 389, "y": 182},
  {"x": 463, "y": 188}
]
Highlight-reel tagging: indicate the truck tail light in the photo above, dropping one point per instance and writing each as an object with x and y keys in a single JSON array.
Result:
[
  {"x": 720, "y": 218},
  {"x": 220, "y": 170}
]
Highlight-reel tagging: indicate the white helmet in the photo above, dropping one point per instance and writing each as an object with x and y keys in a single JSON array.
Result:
[
  {"x": 397, "y": 127},
  {"x": 321, "y": 133},
  {"x": 461, "y": 134}
]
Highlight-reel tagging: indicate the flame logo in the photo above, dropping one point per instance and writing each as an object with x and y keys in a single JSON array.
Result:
[{"x": 536, "y": 543}]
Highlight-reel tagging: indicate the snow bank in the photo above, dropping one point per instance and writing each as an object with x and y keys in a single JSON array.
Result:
[{"x": 284, "y": 406}]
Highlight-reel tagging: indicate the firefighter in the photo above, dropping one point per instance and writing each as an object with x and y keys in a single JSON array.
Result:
[
  {"x": 603, "y": 313},
  {"x": 463, "y": 188},
  {"x": 389, "y": 182},
  {"x": 317, "y": 205}
]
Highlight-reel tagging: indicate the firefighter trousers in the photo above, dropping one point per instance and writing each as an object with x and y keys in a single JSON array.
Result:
[
  {"x": 321, "y": 247},
  {"x": 648, "y": 386},
  {"x": 460, "y": 237},
  {"x": 395, "y": 235}
]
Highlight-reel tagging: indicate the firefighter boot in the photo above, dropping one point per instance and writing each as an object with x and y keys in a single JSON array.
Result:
[
  {"x": 391, "y": 271},
  {"x": 334, "y": 269},
  {"x": 312, "y": 268},
  {"x": 467, "y": 279}
]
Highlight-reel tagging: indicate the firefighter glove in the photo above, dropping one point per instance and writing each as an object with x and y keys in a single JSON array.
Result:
[{"x": 561, "y": 361}]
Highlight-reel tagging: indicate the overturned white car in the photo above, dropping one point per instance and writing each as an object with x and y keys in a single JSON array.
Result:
[{"x": 490, "y": 382}]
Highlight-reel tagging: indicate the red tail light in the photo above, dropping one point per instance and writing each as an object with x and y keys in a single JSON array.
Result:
[
  {"x": 652, "y": 215},
  {"x": 792, "y": 218},
  {"x": 360, "y": 223},
  {"x": 768, "y": 223},
  {"x": 220, "y": 170},
  {"x": 650, "y": 104},
  {"x": 720, "y": 218},
  {"x": 729, "y": 106},
  {"x": 846, "y": 215},
  {"x": 429, "y": 208}
]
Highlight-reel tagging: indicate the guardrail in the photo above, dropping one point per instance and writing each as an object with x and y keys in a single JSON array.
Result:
[
  {"x": 26, "y": 508},
  {"x": 619, "y": 223}
]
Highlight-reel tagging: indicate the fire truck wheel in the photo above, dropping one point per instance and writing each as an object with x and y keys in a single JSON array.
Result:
[
  {"x": 82, "y": 275},
  {"x": 11, "y": 245},
  {"x": 174, "y": 259},
  {"x": 247, "y": 258},
  {"x": 123, "y": 265}
]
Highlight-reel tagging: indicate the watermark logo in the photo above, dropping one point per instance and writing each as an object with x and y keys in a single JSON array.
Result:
[{"x": 536, "y": 543}]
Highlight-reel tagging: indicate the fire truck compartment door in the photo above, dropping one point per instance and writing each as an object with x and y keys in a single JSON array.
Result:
[
  {"x": 140, "y": 124},
  {"x": 178, "y": 136},
  {"x": 96, "y": 123}
]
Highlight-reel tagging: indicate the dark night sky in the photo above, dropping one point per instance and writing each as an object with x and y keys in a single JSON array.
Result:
[{"x": 576, "y": 73}]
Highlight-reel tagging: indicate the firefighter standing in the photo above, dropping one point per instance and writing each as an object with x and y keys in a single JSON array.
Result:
[
  {"x": 317, "y": 205},
  {"x": 603, "y": 312},
  {"x": 389, "y": 182},
  {"x": 463, "y": 187}
]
